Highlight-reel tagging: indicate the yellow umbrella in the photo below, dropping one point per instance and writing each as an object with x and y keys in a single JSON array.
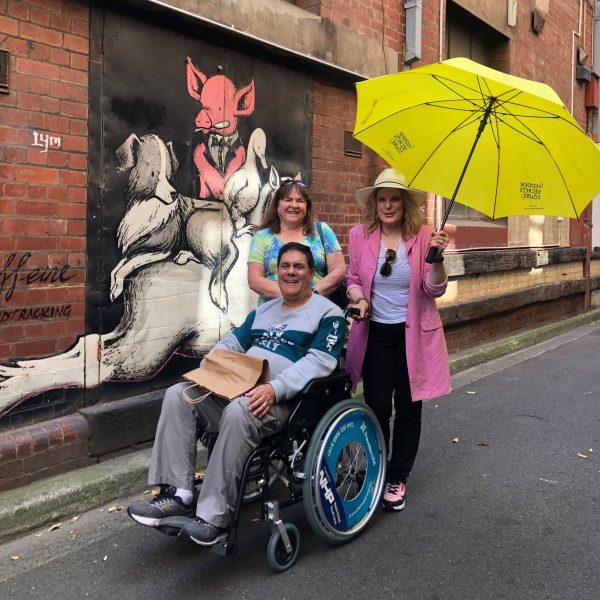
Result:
[{"x": 500, "y": 144}]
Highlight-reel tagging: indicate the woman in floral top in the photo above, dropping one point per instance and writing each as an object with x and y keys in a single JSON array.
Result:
[{"x": 289, "y": 218}]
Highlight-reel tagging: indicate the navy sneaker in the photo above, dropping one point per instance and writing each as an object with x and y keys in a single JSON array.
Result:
[
  {"x": 162, "y": 507},
  {"x": 202, "y": 533}
]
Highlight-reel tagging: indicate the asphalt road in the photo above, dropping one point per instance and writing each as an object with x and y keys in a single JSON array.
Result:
[{"x": 503, "y": 503}]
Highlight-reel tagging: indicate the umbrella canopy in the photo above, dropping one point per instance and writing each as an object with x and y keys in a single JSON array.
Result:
[{"x": 500, "y": 144}]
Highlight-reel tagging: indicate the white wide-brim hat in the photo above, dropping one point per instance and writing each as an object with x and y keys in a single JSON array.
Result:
[{"x": 389, "y": 178}]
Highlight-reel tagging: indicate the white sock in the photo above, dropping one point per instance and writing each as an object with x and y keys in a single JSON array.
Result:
[{"x": 185, "y": 495}]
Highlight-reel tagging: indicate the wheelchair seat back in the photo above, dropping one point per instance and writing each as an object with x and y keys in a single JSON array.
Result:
[{"x": 317, "y": 397}]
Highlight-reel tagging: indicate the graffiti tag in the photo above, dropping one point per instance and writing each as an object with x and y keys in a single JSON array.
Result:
[
  {"x": 45, "y": 141},
  {"x": 38, "y": 313},
  {"x": 15, "y": 272}
]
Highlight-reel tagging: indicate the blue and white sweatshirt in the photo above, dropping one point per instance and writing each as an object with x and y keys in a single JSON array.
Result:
[{"x": 300, "y": 344}]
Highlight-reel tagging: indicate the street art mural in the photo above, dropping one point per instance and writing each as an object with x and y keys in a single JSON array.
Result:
[{"x": 190, "y": 166}]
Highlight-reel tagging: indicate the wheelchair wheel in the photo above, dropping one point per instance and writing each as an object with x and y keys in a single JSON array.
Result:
[
  {"x": 345, "y": 471},
  {"x": 279, "y": 558}
]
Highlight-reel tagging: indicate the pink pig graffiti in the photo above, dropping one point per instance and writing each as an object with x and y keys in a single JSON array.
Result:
[{"x": 221, "y": 153}]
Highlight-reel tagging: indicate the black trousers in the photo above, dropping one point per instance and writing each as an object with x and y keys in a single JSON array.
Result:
[{"x": 385, "y": 377}]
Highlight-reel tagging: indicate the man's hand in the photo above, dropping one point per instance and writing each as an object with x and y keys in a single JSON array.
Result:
[{"x": 260, "y": 399}]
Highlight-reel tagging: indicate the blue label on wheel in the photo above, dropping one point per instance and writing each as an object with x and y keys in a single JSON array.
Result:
[
  {"x": 330, "y": 500},
  {"x": 349, "y": 471}
]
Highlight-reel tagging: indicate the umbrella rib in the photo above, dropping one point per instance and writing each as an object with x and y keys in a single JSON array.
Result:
[
  {"x": 442, "y": 141},
  {"x": 562, "y": 178},
  {"x": 443, "y": 81},
  {"x": 533, "y": 137},
  {"x": 432, "y": 104}
]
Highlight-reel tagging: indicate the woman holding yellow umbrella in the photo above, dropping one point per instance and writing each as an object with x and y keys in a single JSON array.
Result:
[{"x": 397, "y": 342}]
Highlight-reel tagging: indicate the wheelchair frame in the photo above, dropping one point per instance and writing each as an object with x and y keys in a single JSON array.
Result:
[{"x": 331, "y": 456}]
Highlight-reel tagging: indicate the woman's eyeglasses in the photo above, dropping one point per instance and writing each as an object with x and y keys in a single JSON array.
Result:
[{"x": 386, "y": 267}]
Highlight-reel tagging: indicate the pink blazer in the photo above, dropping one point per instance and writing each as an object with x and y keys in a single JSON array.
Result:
[{"x": 426, "y": 352}]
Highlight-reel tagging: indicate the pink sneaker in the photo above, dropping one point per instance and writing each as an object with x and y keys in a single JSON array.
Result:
[{"x": 393, "y": 496}]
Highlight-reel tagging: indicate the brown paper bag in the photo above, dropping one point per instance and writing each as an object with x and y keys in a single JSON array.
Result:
[{"x": 230, "y": 374}]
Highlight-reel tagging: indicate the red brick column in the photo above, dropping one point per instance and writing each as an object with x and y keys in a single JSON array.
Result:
[{"x": 43, "y": 176}]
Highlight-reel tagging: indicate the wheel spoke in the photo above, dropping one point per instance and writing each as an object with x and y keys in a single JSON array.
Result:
[{"x": 349, "y": 475}]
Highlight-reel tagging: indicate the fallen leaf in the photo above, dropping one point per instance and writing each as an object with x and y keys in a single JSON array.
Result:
[
  {"x": 455, "y": 440},
  {"x": 74, "y": 519},
  {"x": 590, "y": 449},
  {"x": 105, "y": 557},
  {"x": 581, "y": 455},
  {"x": 113, "y": 509},
  {"x": 38, "y": 535},
  {"x": 147, "y": 492},
  {"x": 74, "y": 534},
  {"x": 200, "y": 473},
  {"x": 469, "y": 392},
  {"x": 155, "y": 492},
  {"x": 15, "y": 557},
  {"x": 55, "y": 526}
]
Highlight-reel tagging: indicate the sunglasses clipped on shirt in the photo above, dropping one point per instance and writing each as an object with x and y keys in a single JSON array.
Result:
[{"x": 386, "y": 267}]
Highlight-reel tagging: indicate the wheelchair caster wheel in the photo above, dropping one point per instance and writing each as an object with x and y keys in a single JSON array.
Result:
[{"x": 279, "y": 558}]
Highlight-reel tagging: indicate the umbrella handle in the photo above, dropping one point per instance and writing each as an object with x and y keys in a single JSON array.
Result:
[
  {"x": 433, "y": 251},
  {"x": 431, "y": 255}
]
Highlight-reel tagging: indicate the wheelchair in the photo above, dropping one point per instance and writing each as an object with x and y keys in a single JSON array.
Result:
[{"x": 330, "y": 456}]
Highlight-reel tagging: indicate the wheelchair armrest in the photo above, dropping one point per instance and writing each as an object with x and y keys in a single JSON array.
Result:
[
  {"x": 317, "y": 397},
  {"x": 334, "y": 382}
]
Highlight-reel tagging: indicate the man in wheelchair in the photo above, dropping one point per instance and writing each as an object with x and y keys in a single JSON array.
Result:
[{"x": 301, "y": 335}]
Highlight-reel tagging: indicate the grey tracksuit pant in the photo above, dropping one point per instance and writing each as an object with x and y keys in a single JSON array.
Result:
[{"x": 173, "y": 460}]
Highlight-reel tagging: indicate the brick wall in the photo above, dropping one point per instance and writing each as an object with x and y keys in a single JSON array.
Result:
[
  {"x": 430, "y": 35},
  {"x": 367, "y": 18},
  {"x": 336, "y": 176},
  {"x": 43, "y": 176},
  {"x": 553, "y": 49}
]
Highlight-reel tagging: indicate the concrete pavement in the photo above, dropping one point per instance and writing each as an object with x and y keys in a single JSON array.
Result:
[{"x": 26, "y": 508}]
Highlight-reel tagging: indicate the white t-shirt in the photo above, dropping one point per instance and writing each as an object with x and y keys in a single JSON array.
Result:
[{"x": 389, "y": 295}]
